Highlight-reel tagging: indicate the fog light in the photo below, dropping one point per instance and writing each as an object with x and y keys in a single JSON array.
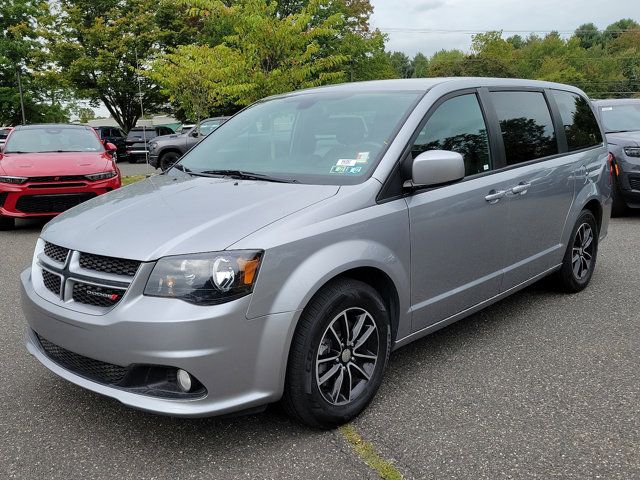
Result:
[{"x": 184, "y": 380}]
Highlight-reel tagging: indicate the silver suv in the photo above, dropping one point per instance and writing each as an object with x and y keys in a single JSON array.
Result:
[{"x": 314, "y": 233}]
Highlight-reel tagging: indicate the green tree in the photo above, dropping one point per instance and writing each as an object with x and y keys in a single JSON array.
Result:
[
  {"x": 420, "y": 66},
  {"x": 99, "y": 46},
  {"x": 401, "y": 65},
  {"x": 588, "y": 35},
  {"x": 264, "y": 55}
]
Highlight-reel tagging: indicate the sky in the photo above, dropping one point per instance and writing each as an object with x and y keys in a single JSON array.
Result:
[{"x": 435, "y": 16}]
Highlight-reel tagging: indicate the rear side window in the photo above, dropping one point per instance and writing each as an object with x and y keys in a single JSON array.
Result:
[
  {"x": 138, "y": 134},
  {"x": 526, "y": 125},
  {"x": 580, "y": 124},
  {"x": 457, "y": 125}
]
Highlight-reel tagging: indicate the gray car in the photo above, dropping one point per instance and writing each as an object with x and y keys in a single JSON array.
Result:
[
  {"x": 621, "y": 122},
  {"x": 311, "y": 235},
  {"x": 165, "y": 150}
]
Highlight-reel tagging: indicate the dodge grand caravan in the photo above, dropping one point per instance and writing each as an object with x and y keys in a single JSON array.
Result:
[{"x": 311, "y": 235}]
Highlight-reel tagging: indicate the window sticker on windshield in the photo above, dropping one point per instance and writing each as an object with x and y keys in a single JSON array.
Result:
[
  {"x": 606, "y": 109},
  {"x": 346, "y": 162},
  {"x": 346, "y": 170},
  {"x": 362, "y": 157}
]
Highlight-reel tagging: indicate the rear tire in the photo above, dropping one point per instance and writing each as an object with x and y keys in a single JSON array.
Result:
[
  {"x": 7, "y": 223},
  {"x": 580, "y": 258},
  {"x": 133, "y": 159},
  {"x": 338, "y": 355}
]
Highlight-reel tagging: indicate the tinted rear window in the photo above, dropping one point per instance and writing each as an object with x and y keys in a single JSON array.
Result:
[
  {"x": 580, "y": 124},
  {"x": 140, "y": 134},
  {"x": 527, "y": 128}
]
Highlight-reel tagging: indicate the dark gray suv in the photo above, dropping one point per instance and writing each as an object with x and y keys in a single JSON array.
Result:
[
  {"x": 164, "y": 151},
  {"x": 621, "y": 123}
]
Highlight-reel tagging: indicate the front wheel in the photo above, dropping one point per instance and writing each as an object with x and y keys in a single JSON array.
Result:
[
  {"x": 338, "y": 355},
  {"x": 168, "y": 159},
  {"x": 580, "y": 258}
]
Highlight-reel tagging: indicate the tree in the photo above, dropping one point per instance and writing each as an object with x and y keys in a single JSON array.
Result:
[
  {"x": 401, "y": 65},
  {"x": 420, "y": 66},
  {"x": 265, "y": 54},
  {"x": 588, "y": 35},
  {"x": 21, "y": 22},
  {"x": 100, "y": 45}
]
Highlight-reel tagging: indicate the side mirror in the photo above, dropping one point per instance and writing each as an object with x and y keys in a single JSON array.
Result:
[
  {"x": 110, "y": 147},
  {"x": 195, "y": 133},
  {"x": 436, "y": 167}
]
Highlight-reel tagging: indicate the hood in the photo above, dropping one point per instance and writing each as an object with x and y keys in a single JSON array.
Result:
[
  {"x": 166, "y": 215},
  {"x": 54, "y": 163},
  {"x": 624, "y": 139},
  {"x": 164, "y": 138}
]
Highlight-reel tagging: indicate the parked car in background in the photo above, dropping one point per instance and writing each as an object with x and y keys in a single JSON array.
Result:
[
  {"x": 116, "y": 136},
  {"x": 621, "y": 121},
  {"x": 4, "y": 133},
  {"x": 166, "y": 150},
  {"x": 47, "y": 169},
  {"x": 138, "y": 141},
  {"x": 313, "y": 234}
]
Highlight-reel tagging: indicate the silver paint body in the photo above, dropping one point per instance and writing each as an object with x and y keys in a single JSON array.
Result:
[{"x": 448, "y": 251}]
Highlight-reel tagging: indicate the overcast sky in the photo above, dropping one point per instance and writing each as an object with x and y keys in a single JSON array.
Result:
[{"x": 481, "y": 15}]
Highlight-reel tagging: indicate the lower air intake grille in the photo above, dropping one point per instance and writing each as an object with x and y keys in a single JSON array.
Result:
[
  {"x": 97, "y": 296},
  {"x": 635, "y": 182},
  {"x": 117, "y": 266},
  {"x": 51, "y": 203},
  {"x": 59, "y": 254},
  {"x": 87, "y": 367},
  {"x": 51, "y": 281},
  {"x": 3, "y": 198}
]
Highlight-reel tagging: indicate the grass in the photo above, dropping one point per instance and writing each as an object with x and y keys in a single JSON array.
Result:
[
  {"x": 132, "y": 179},
  {"x": 366, "y": 452}
]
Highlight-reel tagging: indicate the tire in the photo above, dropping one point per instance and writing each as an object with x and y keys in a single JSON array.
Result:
[
  {"x": 167, "y": 160},
  {"x": 619, "y": 207},
  {"x": 579, "y": 260},
  {"x": 7, "y": 223},
  {"x": 133, "y": 159},
  {"x": 310, "y": 389}
]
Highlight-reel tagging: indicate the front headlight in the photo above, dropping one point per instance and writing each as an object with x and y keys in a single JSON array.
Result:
[
  {"x": 205, "y": 278},
  {"x": 153, "y": 146},
  {"x": 100, "y": 176},
  {"x": 13, "y": 180},
  {"x": 632, "y": 151}
]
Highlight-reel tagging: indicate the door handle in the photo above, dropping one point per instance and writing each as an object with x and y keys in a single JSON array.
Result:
[
  {"x": 520, "y": 189},
  {"x": 495, "y": 196}
]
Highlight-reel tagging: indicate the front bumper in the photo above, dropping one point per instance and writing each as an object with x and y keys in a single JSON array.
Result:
[
  {"x": 240, "y": 362},
  {"x": 41, "y": 200}
]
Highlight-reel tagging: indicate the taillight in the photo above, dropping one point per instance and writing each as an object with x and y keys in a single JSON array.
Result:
[{"x": 613, "y": 168}]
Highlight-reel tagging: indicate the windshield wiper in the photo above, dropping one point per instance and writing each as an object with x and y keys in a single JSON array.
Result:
[
  {"x": 242, "y": 175},
  {"x": 182, "y": 168}
]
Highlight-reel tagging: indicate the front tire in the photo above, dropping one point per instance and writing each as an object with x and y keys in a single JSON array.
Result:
[
  {"x": 168, "y": 159},
  {"x": 580, "y": 258},
  {"x": 338, "y": 355}
]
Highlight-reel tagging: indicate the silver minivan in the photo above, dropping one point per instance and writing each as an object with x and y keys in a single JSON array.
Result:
[{"x": 286, "y": 255}]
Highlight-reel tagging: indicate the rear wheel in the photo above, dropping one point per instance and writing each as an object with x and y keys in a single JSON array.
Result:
[
  {"x": 133, "y": 159},
  {"x": 338, "y": 355},
  {"x": 580, "y": 258},
  {"x": 7, "y": 223},
  {"x": 168, "y": 159}
]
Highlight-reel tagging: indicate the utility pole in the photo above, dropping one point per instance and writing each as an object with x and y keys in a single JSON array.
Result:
[{"x": 24, "y": 121}]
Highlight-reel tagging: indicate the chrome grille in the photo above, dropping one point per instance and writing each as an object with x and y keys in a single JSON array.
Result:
[
  {"x": 116, "y": 266},
  {"x": 59, "y": 254},
  {"x": 635, "y": 183},
  {"x": 83, "y": 281}
]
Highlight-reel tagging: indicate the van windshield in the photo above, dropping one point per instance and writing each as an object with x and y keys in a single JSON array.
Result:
[
  {"x": 621, "y": 117},
  {"x": 325, "y": 138}
]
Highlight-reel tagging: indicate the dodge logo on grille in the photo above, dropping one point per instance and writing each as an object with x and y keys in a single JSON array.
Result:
[{"x": 111, "y": 296}]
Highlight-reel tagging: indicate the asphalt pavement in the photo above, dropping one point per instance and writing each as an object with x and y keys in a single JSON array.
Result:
[
  {"x": 129, "y": 169},
  {"x": 540, "y": 385}
]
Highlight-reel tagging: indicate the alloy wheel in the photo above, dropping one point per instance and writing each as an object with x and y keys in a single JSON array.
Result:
[
  {"x": 347, "y": 356},
  {"x": 582, "y": 252}
]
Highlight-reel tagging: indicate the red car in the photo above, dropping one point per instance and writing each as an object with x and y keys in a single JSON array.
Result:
[{"x": 47, "y": 169}]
